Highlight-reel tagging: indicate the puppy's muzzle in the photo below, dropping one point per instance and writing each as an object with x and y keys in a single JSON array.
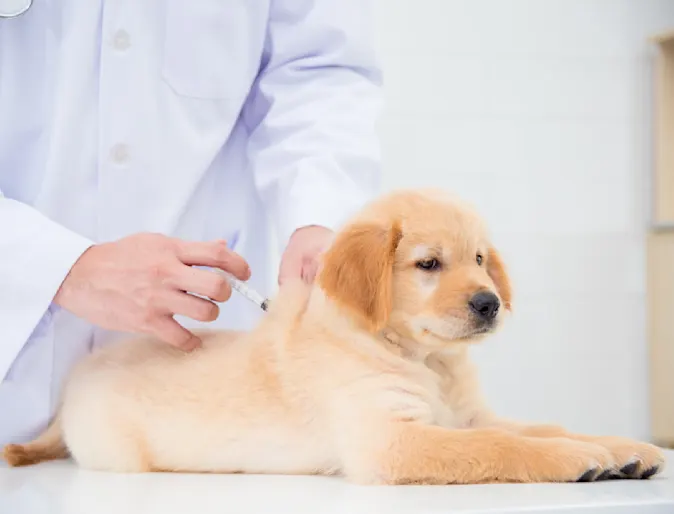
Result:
[{"x": 484, "y": 306}]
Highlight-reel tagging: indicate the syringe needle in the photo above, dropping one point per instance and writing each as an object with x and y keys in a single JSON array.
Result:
[{"x": 247, "y": 292}]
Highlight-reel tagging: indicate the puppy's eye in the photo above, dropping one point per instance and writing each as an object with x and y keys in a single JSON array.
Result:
[
  {"x": 478, "y": 259},
  {"x": 429, "y": 264}
]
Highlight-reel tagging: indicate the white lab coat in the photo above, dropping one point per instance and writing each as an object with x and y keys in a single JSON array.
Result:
[{"x": 201, "y": 120}]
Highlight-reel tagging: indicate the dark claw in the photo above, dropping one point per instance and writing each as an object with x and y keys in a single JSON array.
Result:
[
  {"x": 650, "y": 472},
  {"x": 607, "y": 474},
  {"x": 615, "y": 476},
  {"x": 629, "y": 469},
  {"x": 589, "y": 475}
]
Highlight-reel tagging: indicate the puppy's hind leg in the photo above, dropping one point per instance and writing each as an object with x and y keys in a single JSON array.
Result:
[
  {"x": 102, "y": 438},
  {"x": 114, "y": 452}
]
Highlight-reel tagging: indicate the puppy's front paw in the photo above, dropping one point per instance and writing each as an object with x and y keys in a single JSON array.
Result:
[
  {"x": 568, "y": 460},
  {"x": 633, "y": 459}
]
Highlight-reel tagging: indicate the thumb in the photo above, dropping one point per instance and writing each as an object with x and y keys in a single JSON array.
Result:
[{"x": 309, "y": 271}]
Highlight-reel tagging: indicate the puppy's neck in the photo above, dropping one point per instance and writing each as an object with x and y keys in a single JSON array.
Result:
[
  {"x": 405, "y": 347},
  {"x": 326, "y": 312}
]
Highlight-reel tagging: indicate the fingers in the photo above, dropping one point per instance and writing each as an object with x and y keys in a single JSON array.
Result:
[
  {"x": 170, "y": 331},
  {"x": 309, "y": 271},
  {"x": 179, "y": 303},
  {"x": 202, "y": 282},
  {"x": 191, "y": 306},
  {"x": 216, "y": 255},
  {"x": 291, "y": 267}
]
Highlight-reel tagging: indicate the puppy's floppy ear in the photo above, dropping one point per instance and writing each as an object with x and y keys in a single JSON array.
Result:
[
  {"x": 357, "y": 270},
  {"x": 498, "y": 274}
]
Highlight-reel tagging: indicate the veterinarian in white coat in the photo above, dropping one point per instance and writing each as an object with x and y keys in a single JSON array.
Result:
[{"x": 214, "y": 119}]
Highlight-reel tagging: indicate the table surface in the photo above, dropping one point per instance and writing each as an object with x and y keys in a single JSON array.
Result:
[{"x": 61, "y": 488}]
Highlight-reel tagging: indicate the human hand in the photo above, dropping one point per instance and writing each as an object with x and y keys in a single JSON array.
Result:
[
  {"x": 137, "y": 284},
  {"x": 301, "y": 256}
]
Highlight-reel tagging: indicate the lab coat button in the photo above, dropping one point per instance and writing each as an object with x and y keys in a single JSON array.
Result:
[
  {"x": 120, "y": 153},
  {"x": 122, "y": 40}
]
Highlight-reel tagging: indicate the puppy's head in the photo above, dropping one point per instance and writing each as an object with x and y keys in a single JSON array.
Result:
[{"x": 420, "y": 263}]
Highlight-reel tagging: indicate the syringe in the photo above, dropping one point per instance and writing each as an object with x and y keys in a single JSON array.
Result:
[{"x": 246, "y": 291}]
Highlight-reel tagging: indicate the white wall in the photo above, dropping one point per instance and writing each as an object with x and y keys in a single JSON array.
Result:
[{"x": 538, "y": 112}]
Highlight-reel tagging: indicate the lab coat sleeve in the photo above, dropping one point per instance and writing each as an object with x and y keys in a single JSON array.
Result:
[
  {"x": 36, "y": 254},
  {"x": 312, "y": 113}
]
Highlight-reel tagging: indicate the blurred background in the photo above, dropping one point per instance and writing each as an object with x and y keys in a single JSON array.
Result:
[{"x": 541, "y": 113}]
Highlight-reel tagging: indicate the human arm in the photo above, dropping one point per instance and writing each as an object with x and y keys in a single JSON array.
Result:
[
  {"x": 36, "y": 254},
  {"x": 135, "y": 284},
  {"x": 138, "y": 284},
  {"x": 311, "y": 113}
]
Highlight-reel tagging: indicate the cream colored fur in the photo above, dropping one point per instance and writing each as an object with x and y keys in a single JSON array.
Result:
[{"x": 365, "y": 374}]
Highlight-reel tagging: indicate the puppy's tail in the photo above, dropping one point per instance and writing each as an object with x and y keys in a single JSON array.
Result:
[{"x": 47, "y": 446}]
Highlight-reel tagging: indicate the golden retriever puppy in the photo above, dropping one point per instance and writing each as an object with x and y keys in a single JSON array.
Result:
[{"x": 364, "y": 374}]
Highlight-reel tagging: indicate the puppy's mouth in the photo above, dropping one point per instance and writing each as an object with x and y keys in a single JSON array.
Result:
[
  {"x": 465, "y": 331},
  {"x": 481, "y": 326},
  {"x": 483, "y": 329}
]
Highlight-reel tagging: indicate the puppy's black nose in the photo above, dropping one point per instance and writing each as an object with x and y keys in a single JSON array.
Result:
[{"x": 485, "y": 304}]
